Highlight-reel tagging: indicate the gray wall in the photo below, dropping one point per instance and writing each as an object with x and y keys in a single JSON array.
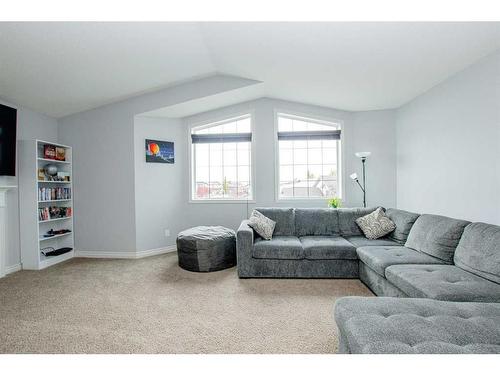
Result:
[
  {"x": 30, "y": 125},
  {"x": 448, "y": 146},
  {"x": 104, "y": 166},
  {"x": 103, "y": 178},
  {"x": 160, "y": 206},
  {"x": 373, "y": 131},
  {"x": 159, "y": 188}
]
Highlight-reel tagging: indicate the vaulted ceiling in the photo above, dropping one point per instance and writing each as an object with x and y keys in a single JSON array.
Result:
[{"x": 64, "y": 68}]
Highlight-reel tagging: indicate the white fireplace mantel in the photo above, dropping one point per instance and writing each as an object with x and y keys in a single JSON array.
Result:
[{"x": 3, "y": 224}]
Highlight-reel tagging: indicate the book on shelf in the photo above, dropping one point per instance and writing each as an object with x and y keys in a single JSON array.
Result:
[
  {"x": 56, "y": 193},
  {"x": 49, "y": 152},
  {"x": 50, "y": 213}
]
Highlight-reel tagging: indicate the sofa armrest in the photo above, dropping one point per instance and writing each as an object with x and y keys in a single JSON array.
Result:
[
  {"x": 244, "y": 236},
  {"x": 244, "y": 244}
]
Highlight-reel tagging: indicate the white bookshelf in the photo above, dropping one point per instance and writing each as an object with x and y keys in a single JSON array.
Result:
[{"x": 31, "y": 159}]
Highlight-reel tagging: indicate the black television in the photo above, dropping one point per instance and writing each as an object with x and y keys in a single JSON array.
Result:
[{"x": 8, "y": 125}]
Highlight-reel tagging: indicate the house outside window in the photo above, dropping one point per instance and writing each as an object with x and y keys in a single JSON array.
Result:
[
  {"x": 308, "y": 165},
  {"x": 221, "y": 162}
]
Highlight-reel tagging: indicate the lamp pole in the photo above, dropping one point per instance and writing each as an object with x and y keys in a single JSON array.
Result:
[
  {"x": 362, "y": 155},
  {"x": 363, "y": 160}
]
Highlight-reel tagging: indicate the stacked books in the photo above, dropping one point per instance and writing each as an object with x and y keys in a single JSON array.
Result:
[{"x": 51, "y": 194}]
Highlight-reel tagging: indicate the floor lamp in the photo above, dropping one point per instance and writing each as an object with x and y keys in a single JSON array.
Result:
[{"x": 362, "y": 155}]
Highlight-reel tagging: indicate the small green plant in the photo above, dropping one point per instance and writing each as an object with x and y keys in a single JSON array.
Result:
[{"x": 334, "y": 203}]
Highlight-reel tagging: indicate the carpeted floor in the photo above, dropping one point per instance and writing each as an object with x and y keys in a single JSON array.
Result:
[{"x": 150, "y": 305}]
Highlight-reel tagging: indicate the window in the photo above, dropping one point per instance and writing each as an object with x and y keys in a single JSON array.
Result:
[
  {"x": 309, "y": 158},
  {"x": 221, "y": 160}
]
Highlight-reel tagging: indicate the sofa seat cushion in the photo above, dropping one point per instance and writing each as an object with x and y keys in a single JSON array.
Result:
[
  {"x": 378, "y": 258},
  {"x": 327, "y": 247},
  {"x": 279, "y": 247},
  {"x": 443, "y": 282},
  {"x": 407, "y": 325},
  {"x": 359, "y": 241},
  {"x": 436, "y": 235}
]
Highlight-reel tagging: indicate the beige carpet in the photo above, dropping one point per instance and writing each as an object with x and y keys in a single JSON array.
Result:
[{"x": 150, "y": 305}]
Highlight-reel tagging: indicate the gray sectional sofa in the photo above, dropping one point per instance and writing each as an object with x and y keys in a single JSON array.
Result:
[
  {"x": 413, "y": 325},
  {"x": 448, "y": 270},
  {"x": 308, "y": 243}
]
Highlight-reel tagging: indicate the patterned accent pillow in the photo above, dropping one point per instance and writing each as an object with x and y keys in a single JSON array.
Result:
[
  {"x": 262, "y": 225},
  {"x": 376, "y": 224}
]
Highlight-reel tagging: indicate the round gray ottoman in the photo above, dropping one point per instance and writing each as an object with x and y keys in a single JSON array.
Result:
[{"x": 206, "y": 249}]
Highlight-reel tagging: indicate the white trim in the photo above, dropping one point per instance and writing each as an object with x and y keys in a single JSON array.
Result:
[
  {"x": 232, "y": 201},
  {"x": 13, "y": 268},
  {"x": 340, "y": 154},
  {"x": 125, "y": 254},
  {"x": 221, "y": 120},
  {"x": 151, "y": 252},
  {"x": 253, "y": 175},
  {"x": 50, "y": 261}
]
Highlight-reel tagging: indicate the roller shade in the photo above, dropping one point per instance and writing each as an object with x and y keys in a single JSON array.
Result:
[
  {"x": 309, "y": 135},
  {"x": 221, "y": 138}
]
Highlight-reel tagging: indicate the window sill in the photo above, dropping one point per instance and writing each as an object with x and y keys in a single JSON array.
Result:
[
  {"x": 285, "y": 200},
  {"x": 223, "y": 201}
]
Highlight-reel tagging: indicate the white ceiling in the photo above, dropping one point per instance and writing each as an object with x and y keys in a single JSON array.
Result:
[{"x": 64, "y": 68}]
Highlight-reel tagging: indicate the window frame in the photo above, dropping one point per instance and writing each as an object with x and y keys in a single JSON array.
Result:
[
  {"x": 222, "y": 119},
  {"x": 340, "y": 155}
]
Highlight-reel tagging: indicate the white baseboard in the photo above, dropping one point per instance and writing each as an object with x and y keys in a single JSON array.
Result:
[
  {"x": 14, "y": 268},
  {"x": 125, "y": 254},
  {"x": 151, "y": 252}
]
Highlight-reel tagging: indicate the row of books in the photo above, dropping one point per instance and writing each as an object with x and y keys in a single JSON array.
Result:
[
  {"x": 54, "y": 152},
  {"x": 51, "y": 194},
  {"x": 49, "y": 213}
]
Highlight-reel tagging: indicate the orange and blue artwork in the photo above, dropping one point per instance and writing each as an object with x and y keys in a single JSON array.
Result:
[{"x": 159, "y": 152}]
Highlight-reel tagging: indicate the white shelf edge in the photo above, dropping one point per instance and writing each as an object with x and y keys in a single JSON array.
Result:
[
  {"x": 50, "y": 261},
  {"x": 53, "y": 182},
  {"x": 53, "y": 144},
  {"x": 56, "y": 200},
  {"x": 51, "y": 220},
  {"x": 54, "y": 161},
  {"x": 56, "y": 236}
]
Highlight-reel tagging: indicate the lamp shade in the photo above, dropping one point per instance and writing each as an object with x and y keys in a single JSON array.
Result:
[
  {"x": 363, "y": 154},
  {"x": 354, "y": 176}
]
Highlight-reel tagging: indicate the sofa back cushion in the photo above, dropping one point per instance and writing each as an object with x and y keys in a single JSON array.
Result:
[
  {"x": 436, "y": 235},
  {"x": 316, "y": 222},
  {"x": 479, "y": 251},
  {"x": 347, "y": 220},
  {"x": 404, "y": 220},
  {"x": 284, "y": 218}
]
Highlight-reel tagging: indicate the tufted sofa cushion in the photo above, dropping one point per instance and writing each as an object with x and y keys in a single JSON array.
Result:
[
  {"x": 404, "y": 220},
  {"x": 402, "y": 325},
  {"x": 316, "y": 222},
  {"x": 436, "y": 235},
  {"x": 378, "y": 258},
  {"x": 443, "y": 282},
  {"x": 479, "y": 251},
  {"x": 284, "y": 218}
]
